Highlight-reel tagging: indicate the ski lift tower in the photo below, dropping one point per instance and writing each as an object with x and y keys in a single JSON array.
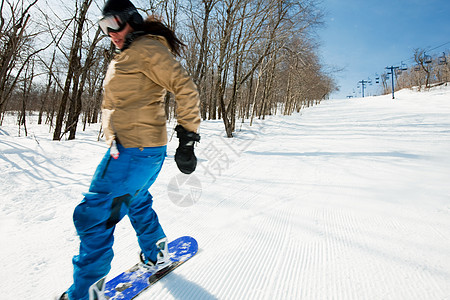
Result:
[
  {"x": 392, "y": 70},
  {"x": 363, "y": 85}
]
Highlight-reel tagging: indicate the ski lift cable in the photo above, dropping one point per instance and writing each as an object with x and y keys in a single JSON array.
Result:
[
  {"x": 439, "y": 46},
  {"x": 425, "y": 50}
]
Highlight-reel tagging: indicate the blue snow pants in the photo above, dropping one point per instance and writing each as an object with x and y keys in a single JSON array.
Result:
[{"x": 119, "y": 187}]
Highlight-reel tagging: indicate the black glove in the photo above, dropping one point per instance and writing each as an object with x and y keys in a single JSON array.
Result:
[{"x": 184, "y": 156}]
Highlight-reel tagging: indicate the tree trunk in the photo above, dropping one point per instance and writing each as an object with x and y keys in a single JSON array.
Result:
[{"x": 73, "y": 77}]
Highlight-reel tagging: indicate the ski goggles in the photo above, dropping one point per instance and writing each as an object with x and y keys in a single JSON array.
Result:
[{"x": 111, "y": 23}]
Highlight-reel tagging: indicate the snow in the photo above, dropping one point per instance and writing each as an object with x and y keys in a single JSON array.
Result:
[{"x": 348, "y": 199}]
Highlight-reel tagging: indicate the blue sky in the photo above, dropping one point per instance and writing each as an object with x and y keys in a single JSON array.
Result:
[{"x": 364, "y": 37}]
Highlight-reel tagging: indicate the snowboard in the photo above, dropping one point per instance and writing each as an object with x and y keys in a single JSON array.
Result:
[{"x": 134, "y": 281}]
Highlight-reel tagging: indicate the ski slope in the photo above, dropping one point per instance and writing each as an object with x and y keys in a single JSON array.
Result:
[{"x": 349, "y": 199}]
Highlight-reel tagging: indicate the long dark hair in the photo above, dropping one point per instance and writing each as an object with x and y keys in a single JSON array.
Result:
[{"x": 154, "y": 26}]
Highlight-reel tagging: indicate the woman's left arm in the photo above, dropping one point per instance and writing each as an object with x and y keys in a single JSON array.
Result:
[{"x": 166, "y": 71}]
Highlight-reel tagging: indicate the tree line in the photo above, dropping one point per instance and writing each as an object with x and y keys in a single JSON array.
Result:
[{"x": 249, "y": 58}]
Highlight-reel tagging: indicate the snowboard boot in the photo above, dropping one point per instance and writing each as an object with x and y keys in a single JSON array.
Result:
[
  {"x": 64, "y": 296},
  {"x": 96, "y": 291},
  {"x": 162, "y": 259}
]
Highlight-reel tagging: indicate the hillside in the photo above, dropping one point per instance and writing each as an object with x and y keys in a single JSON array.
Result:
[{"x": 345, "y": 200}]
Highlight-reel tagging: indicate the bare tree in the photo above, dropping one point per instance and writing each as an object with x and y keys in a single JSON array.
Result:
[
  {"x": 73, "y": 74},
  {"x": 14, "y": 41},
  {"x": 79, "y": 85},
  {"x": 421, "y": 60},
  {"x": 429, "y": 70},
  {"x": 199, "y": 48}
]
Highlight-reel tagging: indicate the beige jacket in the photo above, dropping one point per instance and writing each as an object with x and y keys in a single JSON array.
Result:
[{"x": 134, "y": 90}]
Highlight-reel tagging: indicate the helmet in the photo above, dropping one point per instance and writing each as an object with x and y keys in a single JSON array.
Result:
[{"x": 117, "y": 13}]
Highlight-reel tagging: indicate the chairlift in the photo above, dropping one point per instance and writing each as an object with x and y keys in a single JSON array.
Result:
[
  {"x": 377, "y": 78},
  {"x": 427, "y": 59},
  {"x": 443, "y": 59},
  {"x": 417, "y": 68},
  {"x": 403, "y": 67}
]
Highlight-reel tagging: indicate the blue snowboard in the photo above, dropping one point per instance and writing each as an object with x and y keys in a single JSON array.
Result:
[{"x": 131, "y": 283}]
